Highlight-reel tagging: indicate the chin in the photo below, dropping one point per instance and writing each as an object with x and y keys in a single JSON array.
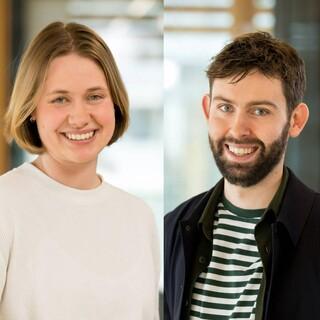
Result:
[{"x": 82, "y": 158}]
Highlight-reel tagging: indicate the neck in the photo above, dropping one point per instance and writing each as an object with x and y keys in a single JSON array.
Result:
[
  {"x": 258, "y": 196},
  {"x": 79, "y": 176}
]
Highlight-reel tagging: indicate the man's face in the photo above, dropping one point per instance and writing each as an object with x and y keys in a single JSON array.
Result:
[{"x": 248, "y": 127}]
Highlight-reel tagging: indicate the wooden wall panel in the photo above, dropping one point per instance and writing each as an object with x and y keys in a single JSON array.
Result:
[{"x": 4, "y": 77}]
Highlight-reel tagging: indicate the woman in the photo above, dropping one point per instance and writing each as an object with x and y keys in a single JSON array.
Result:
[{"x": 71, "y": 245}]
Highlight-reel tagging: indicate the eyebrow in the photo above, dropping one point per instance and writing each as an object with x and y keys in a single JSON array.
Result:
[
  {"x": 97, "y": 88},
  {"x": 249, "y": 104},
  {"x": 61, "y": 91},
  {"x": 221, "y": 98}
]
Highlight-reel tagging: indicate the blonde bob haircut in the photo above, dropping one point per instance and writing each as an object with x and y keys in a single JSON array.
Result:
[{"x": 58, "y": 39}]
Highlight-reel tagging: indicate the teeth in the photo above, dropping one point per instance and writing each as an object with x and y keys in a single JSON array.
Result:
[
  {"x": 79, "y": 137},
  {"x": 240, "y": 151}
]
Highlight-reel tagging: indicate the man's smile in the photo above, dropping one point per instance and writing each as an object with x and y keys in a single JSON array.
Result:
[{"x": 240, "y": 153}]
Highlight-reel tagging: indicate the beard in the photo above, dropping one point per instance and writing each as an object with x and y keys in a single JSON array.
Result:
[{"x": 246, "y": 175}]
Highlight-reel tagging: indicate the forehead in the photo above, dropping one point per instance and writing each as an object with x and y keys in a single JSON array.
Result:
[
  {"x": 254, "y": 86},
  {"x": 73, "y": 70}
]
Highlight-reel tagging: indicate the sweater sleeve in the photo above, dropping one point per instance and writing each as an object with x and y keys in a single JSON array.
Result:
[
  {"x": 2, "y": 275},
  {"x": 155, "y": 248},
  {"x": 5, "y": 245},
  {"x": 156, "y": 258}
]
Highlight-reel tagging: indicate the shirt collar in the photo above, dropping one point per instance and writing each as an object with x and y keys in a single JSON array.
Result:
[
  {"x": 206, "y": 220},
  {"x": 296, "y": 206},
  {"x": 278, "y": 197}
]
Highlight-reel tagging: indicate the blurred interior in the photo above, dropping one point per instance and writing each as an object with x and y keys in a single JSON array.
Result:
[{"x": 194, "y": 31}]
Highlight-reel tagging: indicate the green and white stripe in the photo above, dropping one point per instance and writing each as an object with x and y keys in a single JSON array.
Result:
[{"x": 230, "y": 286}]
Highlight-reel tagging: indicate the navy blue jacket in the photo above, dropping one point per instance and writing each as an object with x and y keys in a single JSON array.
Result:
[{"x": 293, "y": 291}]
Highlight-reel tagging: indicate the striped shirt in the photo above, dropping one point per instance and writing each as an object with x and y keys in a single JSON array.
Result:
[{"x": 229, "y": 287}]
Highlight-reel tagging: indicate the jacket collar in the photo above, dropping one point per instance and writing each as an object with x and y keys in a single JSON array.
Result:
[
  {"x": 291, "y": 205},
  {"x": 206, "y": 219},
  {"x": 196, "y": 211},
  {"x": 296, "y": 206}
]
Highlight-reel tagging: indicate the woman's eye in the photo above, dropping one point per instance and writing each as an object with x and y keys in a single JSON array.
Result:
[
  {"x": 59, "y": 100},
  {"x": 94, "y": 97},
  {"x": 226, "y": 108}
]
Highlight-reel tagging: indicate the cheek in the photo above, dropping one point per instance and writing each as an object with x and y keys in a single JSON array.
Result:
[
  {"x": 49, "y": 121},
  {"x": 106, "y": 117},
  {"x": 268, "y": 133},
  {"x": 217, "y": 127}
]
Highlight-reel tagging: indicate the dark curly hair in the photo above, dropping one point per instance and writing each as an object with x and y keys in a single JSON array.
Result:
[{"x": 272, "y": 57}]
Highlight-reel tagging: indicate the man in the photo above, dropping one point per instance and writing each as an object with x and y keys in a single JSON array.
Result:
[{"x": 249, "y": 248}]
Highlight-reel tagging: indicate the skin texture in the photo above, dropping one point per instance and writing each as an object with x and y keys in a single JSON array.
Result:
[
  {"x": 75, "y": 99},
  {"x": 251, "y": 114}
]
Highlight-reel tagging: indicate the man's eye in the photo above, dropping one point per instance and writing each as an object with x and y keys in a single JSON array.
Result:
[
  {"x": 59, "y": 100},
  {"x": 226, "y": 108},
  {"x": 260, "y": 112}
]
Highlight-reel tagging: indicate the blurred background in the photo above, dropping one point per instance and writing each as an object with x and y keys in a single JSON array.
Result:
[
  {"x": 194, "y": 31},
  {"x": 133, "y": 31}
]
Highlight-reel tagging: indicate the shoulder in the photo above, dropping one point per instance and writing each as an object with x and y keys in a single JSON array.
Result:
[
  {"x": 186, "y": 208},
  {"x": 127, "y": 202},
  {"x": 188, "y": 212},
  {"x": 298, "y": 190},
  {"x": 11, "y": 185},
  {"x": 194, "y": 206},
  {"x": 135, "y": 214},
  {"x": 11, "y": 175},
  {"x": 12, "y": 181},
  {"x": 299, "y": 203},
  {"x": 122, "y": 196}
]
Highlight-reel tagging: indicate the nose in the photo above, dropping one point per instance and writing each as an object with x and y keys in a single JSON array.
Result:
[
  {"x": 79, "y": 116},
  {"x": 240, "y": 126}
]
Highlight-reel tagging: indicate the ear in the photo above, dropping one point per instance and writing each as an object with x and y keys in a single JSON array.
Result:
[
  {"x": 33, "y": 115},
  {"x": 206, "y": 105},
  {"x": 299, "y": 118}
]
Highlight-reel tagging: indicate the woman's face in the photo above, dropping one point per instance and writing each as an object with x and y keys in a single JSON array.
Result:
[{"x": 75, "y": 113}]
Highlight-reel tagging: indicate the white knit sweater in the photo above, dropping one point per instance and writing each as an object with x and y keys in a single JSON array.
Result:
[{"x": 69, "y": 254}]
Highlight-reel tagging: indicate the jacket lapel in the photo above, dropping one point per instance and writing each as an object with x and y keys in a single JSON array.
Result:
[{"x": 285, "y": 232}]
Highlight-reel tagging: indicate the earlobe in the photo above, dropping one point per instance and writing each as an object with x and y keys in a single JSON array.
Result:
[
  {"x": 206, "y": 105},
  {"x": 298, "y": 119},
  {"x": 32, "y": 117}
]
